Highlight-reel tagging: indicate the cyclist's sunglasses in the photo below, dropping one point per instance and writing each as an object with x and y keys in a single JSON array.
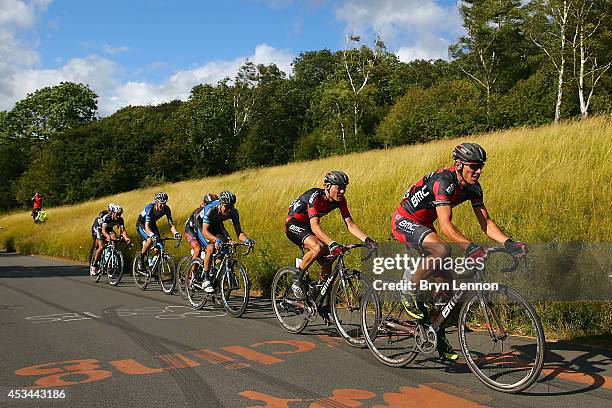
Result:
[
  {"x": 474, "y": 166},
  {"x": 341, "y": 186}
]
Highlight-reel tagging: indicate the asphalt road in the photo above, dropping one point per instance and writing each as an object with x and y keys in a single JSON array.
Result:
[{"x": 92, "y": 345}]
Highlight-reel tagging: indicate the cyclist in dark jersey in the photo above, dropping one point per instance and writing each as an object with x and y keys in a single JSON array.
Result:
[
  {"x": 191, "y": 228},
  {"x": 102, "y": 231},
  {"x": 433, "y": 197},
  {"x": 303, "y": 228},
  {"x": 208, "y": 226},
  {"x": 146, "y": 225}
]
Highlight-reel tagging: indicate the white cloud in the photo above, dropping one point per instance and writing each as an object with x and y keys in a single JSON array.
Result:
[
  {"x": 111, "y": 50},
  {"x": 414, "y": 28},
  {"x": 178, "y": 85}
]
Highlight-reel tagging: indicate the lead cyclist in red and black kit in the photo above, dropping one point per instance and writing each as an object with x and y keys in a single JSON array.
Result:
[
  {"x": 433, "y": 197},
  {"x": 303, "y": 228}
]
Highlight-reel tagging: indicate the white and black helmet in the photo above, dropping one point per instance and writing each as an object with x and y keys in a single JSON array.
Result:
[
  {"x": 116, "y": 208},
  {"x": 336, "y": 177},
  {"x": 227, "y": 197},
  {"x": 161, "y": 197},
  {"x": 470, "y": 153},
  {"x": 111, "y": 207}
]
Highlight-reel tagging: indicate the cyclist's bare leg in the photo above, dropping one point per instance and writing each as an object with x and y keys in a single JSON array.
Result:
[
  {"x": 315, "y": 249},
  {"x": 210, "y": 248},
  {"x": 437, "y": 250},
  {"x": 99, "y": 248}
]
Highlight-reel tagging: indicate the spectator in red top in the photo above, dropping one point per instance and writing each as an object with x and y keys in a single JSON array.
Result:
[{"x": 38, "y": 200}]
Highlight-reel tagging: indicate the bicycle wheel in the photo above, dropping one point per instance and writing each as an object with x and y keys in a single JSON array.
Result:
[
  {"x": 235, "y": 288},
  {"x": 346, "y": 298},
  {"x": 141, "y": 278},
  {"x": 195, "y": 293},
  {"x": 115, "y": 270},
  {"x": 288, "y": 310},
  {"x": 387, "y": 330},
  {"x": 182, "y": 268},
  {"x": 502, "y": 339},
  {"x": 167, "y": 275}
]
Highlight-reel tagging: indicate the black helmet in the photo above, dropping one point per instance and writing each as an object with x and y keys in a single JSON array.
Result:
[
  {"x": 161, "y": 197},
  {"x": 336, "y": 177},
  {"x": 470, "y": 153},
  {"x": 209, "y": 198},
  {"x": 227, "y": 197}
]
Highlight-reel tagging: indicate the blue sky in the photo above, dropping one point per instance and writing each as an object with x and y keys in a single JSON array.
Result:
[{"x": 150, "y": 51}]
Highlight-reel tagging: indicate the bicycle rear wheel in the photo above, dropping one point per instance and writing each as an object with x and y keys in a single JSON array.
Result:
[
  {"x": 346, "y": 306},
  {"x": 182, "y": 267},
  {"x": 387, "y": 330},
  {"x": 167, "y": 275},
  {"x": 502, "y": 339},
  {"x": 288, "y": 310},
  {"x": 115, "y": 269},
  {"x": 195, "y": 293},
  {"x": 141, "y": 278},
  {"x": 235, "y": 288}
]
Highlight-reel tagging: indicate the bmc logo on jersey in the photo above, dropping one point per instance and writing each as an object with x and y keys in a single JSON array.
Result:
[
  {"x": 407, "y": 225},
  {"x": 419, "y": 196},
  {"x": 295, "y": 228}
]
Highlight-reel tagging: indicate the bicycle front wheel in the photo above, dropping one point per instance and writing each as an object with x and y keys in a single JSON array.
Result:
[
  {"x": 195, "y": 292},
  {"x": 346, "y": 298},
  {"x": 141, "y": 278},
  {"x": 182, "y": 268},
  {"x": 502, "y": 339},
  {"x": 288, "y": 310},
  {"x": 167, "y": 275},
  {"x": 235, "y": 288},
  {"x": 115, "y": 269},
  {"x": 388, "y": 331}
]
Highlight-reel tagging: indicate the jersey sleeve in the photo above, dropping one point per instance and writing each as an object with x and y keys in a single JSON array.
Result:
[
  {"x": 313, "y": 205},
  {"x": 476, "y": 196},
  {"x": 206, "y": 214},
  {"x": 235, "y": 216},
  {"x": 344, "y": 211},
  {"x": 147, "y": 212},
  {"x": 443, "y": 189}
]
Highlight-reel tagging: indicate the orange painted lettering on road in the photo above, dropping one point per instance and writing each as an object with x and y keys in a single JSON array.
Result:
[
  {"x": 298, "y": 346},
  {"x": 576, "y": 376},
  {"x": 345, "y": 397},
  {"x": 133, "y": 367},
  {"x": 89, "y": 368},
  {"x": 270, "y": 401},
  {"x": 211, "y": 356},
  {"x": 252, "y": 355},
  {"x": 424, "y": 397}
]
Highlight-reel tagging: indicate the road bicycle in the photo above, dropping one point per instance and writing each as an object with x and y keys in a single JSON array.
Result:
[
  {"x": 228, "y": 277},
  {"x": 159, "y": 266},
  {"x": 337, "y": 298},
  {"x": 500, "y": 333},
  {"x": 111, "y": 263}
]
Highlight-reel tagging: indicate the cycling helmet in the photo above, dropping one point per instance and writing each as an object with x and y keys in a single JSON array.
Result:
[
  {"x": 111, "y": 206},
  {"x": 336, "y": 177},
  {"x": 115, "y": 208},
  {"x": 470, "y": 153},
  {"x": 227, "y": 197},
  {"x": 209, "y": 198},
  {"x": 161, "y": 197}
]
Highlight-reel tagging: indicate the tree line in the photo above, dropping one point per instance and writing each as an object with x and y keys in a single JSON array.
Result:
[{"x": 519, "y": 63}]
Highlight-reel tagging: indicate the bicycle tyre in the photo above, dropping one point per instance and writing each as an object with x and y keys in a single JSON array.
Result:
[
  {"x": 536, "y": 367},
  {"x": 197, "y": 296},
  {"x": 348, "y": 320},
  {"x": 283, "y": 301},
  {"x": 167, "y": 274},
  {"x": 141, "y": 279},
  {"x": 182, "y": 267},
  {"x": 242, "y": 287},
  {"x": 116, "y": 271}
]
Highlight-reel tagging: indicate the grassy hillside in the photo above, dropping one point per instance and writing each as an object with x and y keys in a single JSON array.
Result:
[{"x": 543, "y": 184}]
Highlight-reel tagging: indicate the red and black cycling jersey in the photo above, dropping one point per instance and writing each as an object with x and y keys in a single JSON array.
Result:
[
  {"x": 313, "y": 204},
  {"x": 438, "y": 188}
]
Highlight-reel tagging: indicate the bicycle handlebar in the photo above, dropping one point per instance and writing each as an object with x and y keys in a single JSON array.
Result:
[{"x": 515, "y": 260}]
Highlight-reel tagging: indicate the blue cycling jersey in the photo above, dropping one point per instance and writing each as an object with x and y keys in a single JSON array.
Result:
[
  {"x": 151, "y": 215},
  {"x": 211, "y": 215}
]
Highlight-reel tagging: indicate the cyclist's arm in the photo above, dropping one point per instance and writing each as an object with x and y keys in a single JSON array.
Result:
[
  {"x": 123, "y": 233},
  {"x": 355, "y": 230},
  {"x": 445, "y": 218},
  {"x": 106, "y": 235},
  {"x": 318, "y": 231},
  {"x": 489, "y": 226},
  {"x": 170, "y": 221},
  {"x": 210, "y": 237},
  {"x": 148, "y": 230},
  {"x": 240, "y": 233}
]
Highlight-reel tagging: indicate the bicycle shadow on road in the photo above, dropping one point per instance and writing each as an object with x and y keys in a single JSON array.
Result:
[{"x": 42, "y": 271}]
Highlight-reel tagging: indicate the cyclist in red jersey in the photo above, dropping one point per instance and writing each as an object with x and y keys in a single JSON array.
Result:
[
  {"x": 37, "y": 205},
  {"x": 303, "y": 228},
  {"x": 433, "y": 197}
]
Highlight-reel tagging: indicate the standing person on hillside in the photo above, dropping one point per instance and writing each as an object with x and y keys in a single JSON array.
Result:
[
  {"x": 433, "y": 197},
  {"x": 303, "y": 228},
  {"x": 37, "y": 204}
]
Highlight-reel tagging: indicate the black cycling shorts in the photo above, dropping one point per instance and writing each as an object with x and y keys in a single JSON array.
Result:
[
  {"x": 409, "y": 232},
  {"x": 297, "y": 232}
]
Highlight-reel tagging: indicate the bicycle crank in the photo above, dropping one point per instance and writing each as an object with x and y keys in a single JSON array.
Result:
[{"x": 426, "y": 340}]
